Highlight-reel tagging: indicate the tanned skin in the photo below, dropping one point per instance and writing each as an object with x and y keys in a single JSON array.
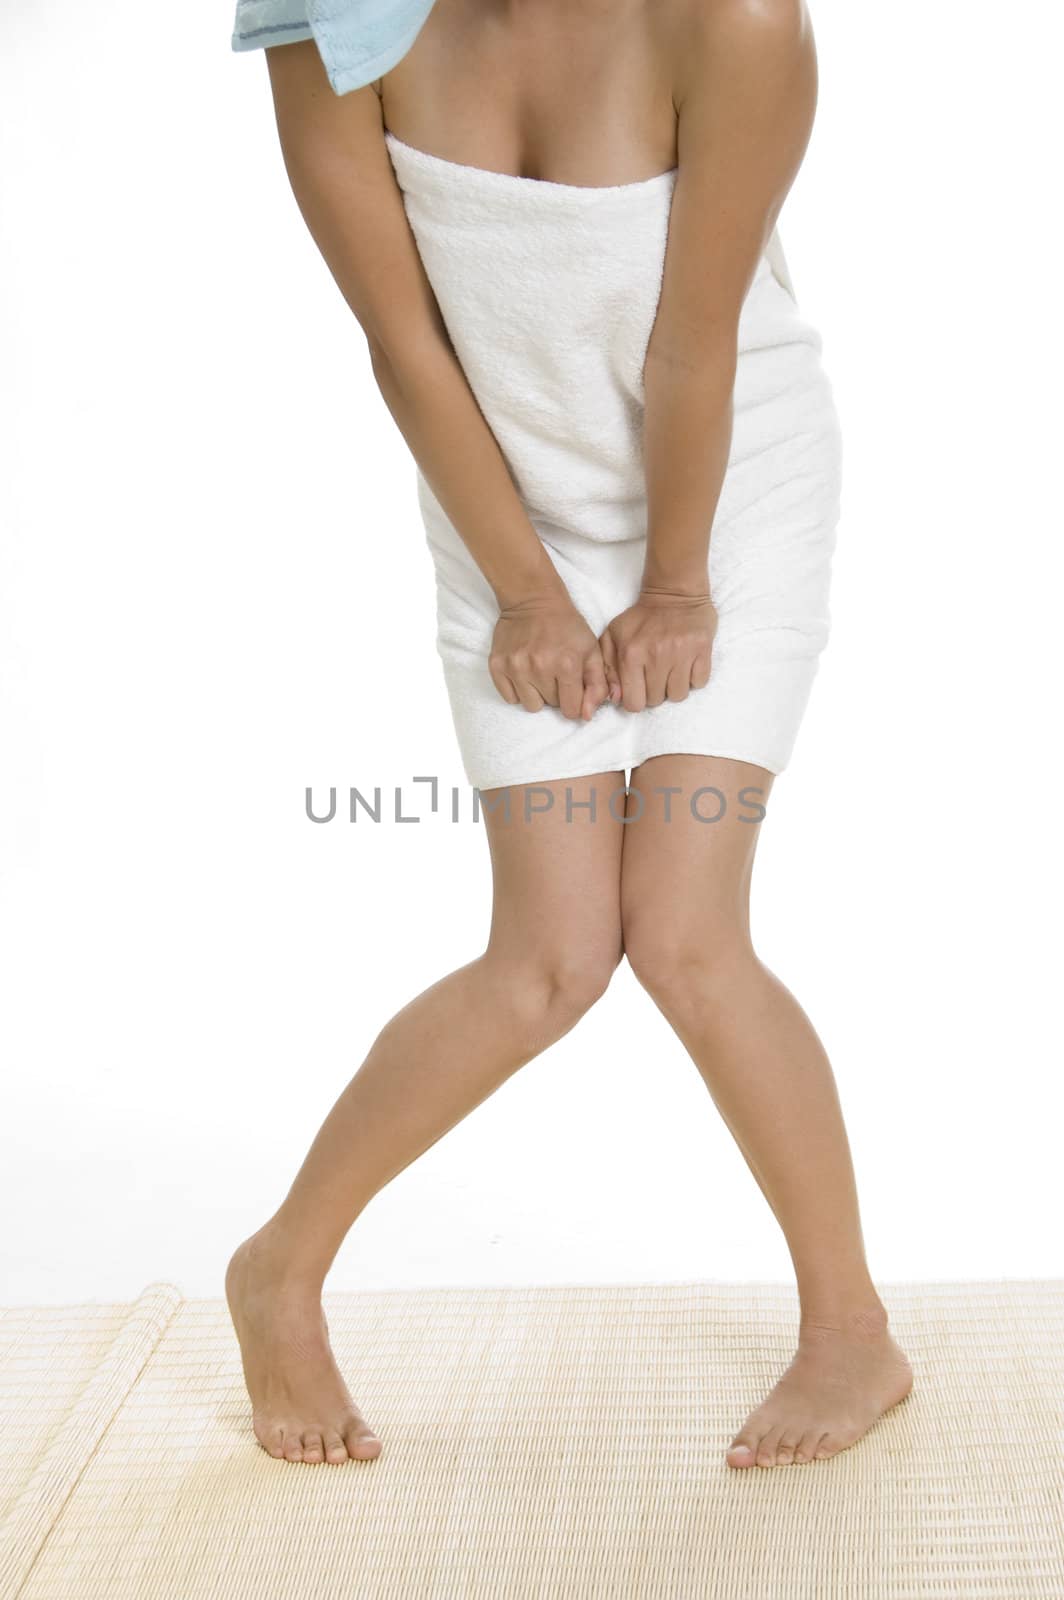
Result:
[{"x": 587, "y": 92}]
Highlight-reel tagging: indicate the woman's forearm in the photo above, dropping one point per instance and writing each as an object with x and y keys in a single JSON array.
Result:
[
  {"x": 687, "y": 432},
  {"x": 346, "y": 191},
  {"x": 427, "y": 393}
]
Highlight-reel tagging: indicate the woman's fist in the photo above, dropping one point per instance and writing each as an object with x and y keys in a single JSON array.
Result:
[
  {"x": 659, "y": 649},
  {"x": 544, "y": 654}
]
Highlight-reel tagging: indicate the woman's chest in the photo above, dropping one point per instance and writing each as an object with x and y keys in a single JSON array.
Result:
[{"x": 570, "y": 94}]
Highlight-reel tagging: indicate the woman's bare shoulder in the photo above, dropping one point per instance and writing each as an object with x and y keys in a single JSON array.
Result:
[{"x": 695, "y": 32}]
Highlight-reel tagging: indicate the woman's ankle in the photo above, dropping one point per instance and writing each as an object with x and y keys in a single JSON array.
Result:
[
  {"x": 861, "y": 1315},
  {"x": 845, "y": 1300},
  {"x": 279, "y": 1255}
]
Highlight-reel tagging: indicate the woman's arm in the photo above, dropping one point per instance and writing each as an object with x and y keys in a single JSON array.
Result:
[
  {"x": 746, "y": 102},
  {"x": 342, "y": 179}
]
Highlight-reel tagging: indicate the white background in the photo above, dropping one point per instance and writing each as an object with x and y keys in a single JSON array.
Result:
[{"x": 213, "y": 570}]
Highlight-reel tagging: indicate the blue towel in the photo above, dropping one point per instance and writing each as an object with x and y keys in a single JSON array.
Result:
[{"x": 357, "y": 40}]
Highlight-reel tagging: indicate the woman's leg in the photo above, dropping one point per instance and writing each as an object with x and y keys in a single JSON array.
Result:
[
  {"x": 554, "y": 943},
  {"x": 685, "y": 888}
]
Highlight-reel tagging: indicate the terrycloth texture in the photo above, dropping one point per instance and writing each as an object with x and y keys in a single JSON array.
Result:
[
  {"x": 549, "y": 292},
  {"x": 357, "y": 40},
  {"x": 538, "y": 1442}
]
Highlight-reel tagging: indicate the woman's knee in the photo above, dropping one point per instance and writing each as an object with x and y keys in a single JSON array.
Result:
[
  {"x": 556, "y": 984},
  {"x": 679, "y": 961}
]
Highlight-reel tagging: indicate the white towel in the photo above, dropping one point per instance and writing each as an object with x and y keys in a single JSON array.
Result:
[{"x": 549, "y": 292}]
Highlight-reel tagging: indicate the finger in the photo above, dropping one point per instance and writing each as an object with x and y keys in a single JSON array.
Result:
[
  {"x": 633, "y": 683},
  {"x": 609, "y": 666},
  {"x": 503, "y": 683},
  {"x": 528, "y": 694},
  {"x": 547, "y": 684},
  {"x": 570, "y": 695},
  {"x": 596, "y": 688},
  {"x": 679, "y": 683},
  {"x": 700, "y": 670},
  {"x": 657, "y": 674}
]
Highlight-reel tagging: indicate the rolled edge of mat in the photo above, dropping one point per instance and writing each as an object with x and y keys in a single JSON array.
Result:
[{"x": 40, "y": 1504}]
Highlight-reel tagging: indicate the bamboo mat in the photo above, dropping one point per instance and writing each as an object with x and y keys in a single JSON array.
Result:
[{"x": 553, "y": 1442}]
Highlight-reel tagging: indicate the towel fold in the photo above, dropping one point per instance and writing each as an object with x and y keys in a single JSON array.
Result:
[{"x": 357, "y": 40}]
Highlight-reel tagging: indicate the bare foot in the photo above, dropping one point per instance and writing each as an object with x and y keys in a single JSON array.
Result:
[
  {"x": 301, "y": 1408},
  {"x": 843, "y": 1378}
]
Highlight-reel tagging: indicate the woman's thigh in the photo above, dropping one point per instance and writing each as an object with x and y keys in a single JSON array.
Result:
[
  {"x": 556, "y": 870},
  {"x": 687, "y": 860}
]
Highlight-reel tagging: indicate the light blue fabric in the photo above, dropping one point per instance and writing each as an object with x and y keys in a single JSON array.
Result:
[{"x": 357, "y": 40}]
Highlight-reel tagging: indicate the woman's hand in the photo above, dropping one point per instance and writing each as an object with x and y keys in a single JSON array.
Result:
[
  {"x": 660, "y": 648},
  {"x": 544, "y": 654}
]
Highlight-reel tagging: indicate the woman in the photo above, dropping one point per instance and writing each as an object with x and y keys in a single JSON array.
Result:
[{"x": 555, "y": 223}]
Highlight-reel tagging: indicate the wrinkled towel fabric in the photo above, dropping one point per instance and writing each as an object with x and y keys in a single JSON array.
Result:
[{"x": 549, "y": 293}]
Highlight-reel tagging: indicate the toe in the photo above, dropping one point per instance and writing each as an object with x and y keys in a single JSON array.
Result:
[
  {"x": 742, "y": 1449},
  {"x": 832, "y": 1443},
  {"x": 335, "y": 1449},
  {"x": 766, "y": 1450},
  {"x": 362, "y": 1442},
  {"x": 807, "y": 1444},
  {"x": 293, "y": 1447},
  {"x": 313, "y": 1448},
  {"x": 785, "y": 1449}
]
